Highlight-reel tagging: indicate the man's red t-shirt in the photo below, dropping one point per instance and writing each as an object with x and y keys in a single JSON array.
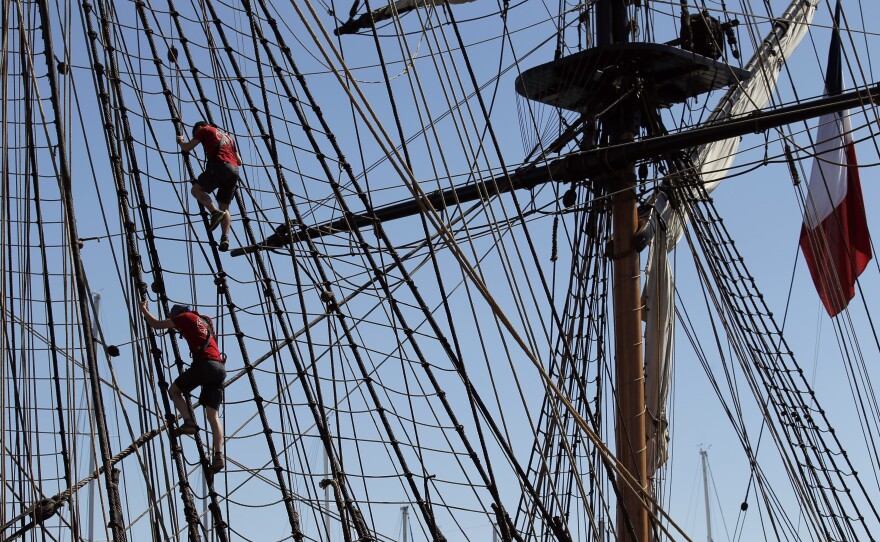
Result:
[
  {"x": 195, "y": 331},
  {"x": 218, "y": 145}
]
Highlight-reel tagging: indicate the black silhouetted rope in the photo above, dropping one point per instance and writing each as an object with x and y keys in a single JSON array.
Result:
[
  {"x": 83, "y": 293},
  {"x": 293, "y": 516},
  {"x": 752, "y": 329},
  {"x": 554, "y": 461},
  {"x": 47, "y": 291},
  {"x": 555, "y": 525},
  {"x": 135, "y": 267},
  {"x": 257, "y": 396},
  {"x": 377, "y": 270},
  {"x": 358, "y": 524},
  {"x": 811, "y": 458},
  {"x": 503, "y": 521}
]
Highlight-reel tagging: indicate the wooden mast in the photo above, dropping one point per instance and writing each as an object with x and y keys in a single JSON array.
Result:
[{"x": 632, "y": 515}]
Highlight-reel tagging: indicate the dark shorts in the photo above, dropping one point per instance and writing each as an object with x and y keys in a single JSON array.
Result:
[
  {"x": 208, "y": 374},
  {"x": 220, "y": 176}
]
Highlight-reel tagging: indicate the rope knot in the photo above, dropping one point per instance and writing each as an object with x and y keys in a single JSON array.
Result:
[{"x": 45, "y": 509}]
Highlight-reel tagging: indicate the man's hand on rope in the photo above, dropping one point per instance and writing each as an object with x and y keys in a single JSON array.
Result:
[{"x": 185, "y": 145}]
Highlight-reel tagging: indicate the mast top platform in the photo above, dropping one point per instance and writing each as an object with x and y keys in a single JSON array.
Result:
[{"x": 592, "y": 80}]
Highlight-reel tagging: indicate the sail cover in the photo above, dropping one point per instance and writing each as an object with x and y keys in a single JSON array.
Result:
[{"x": 712, "y": 161}]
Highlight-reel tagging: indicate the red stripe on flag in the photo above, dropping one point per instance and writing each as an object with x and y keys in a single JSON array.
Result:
[{"x": 839, "y": 249}]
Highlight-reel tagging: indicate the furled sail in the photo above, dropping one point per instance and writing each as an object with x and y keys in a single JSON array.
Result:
[{"x": 712, "y": 162}]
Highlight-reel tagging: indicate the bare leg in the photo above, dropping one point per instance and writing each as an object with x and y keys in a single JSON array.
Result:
[
  {"x": 179, "y": 401},
  {"x": 227, "y": 220},
  {"x": 199, "y": 193},
  {"x": 216, "y": 428}
]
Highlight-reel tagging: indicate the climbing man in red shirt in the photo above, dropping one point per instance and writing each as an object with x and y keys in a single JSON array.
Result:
[
  {"x": 207, "y": 370},
  {"x": 221, "y": 174}
]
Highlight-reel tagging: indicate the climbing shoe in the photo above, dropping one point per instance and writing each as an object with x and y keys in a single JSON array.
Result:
[
  {"x": 218, "y": 463},
  {"x": 224, "y": 244},
  {"x": 217, "y": 218},
  {"x": 188, "y": 427}
]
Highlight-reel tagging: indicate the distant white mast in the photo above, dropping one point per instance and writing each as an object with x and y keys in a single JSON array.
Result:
[
  {"x": 705, "y": 456},
  {"x": 404, "y": 521}
]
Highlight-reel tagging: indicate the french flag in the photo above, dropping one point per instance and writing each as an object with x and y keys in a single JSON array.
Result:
[{"x": 834, "y": 237}]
